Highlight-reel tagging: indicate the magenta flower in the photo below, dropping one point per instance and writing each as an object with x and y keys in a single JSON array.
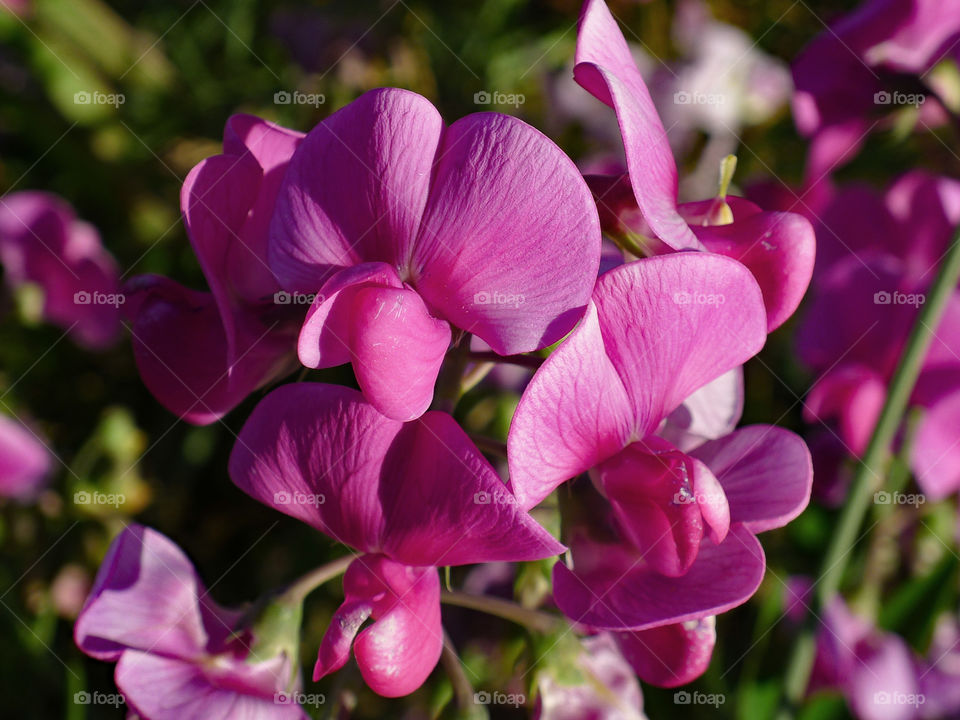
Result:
[
  {"x": 25, "y": 462},
  {"x": 867, "y": 294},
  {"x": 670, "y": 655},
  {"x": 666, "y": 535},
  {"x": 778, "y": 247},
  {"x": 850, "y": 72},
  {"x": 43, "y": 243},
  {"x": 409, "y": 496},
  {"x": 177, "y": 655},
  {"x": 202, "y": 353},
  {"x": 407, "y": 228}
]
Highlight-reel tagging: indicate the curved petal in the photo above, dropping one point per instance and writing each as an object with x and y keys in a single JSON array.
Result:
[
  {"x": 356, "y": 188},
  {"x": 670, "y": 655},
  {"x": 181, "y": 350},
  {"x": 709, "y": 413},
  {"x": 854, "y": 395},
  {"x": 605, "y": 68},
  {"x": 936, "y": 451},
  {"x": 168, "y": 689},
  {"x": 420, "y": 492},
  {"x": 25, "y": 462},
  {"x": 510, "y": 241},
  {"x": 766, "y": 474},
  {"x": 778, "y": 248},
  {"x": 612, "y": 588},
  {"x": 146, "y": 596}
]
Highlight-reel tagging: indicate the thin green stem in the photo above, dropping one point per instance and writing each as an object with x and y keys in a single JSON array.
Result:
[
  {"x": 868, "y": 477},
  {"x": 531, "y": 619},
  {"x": 300, "y": 588}
]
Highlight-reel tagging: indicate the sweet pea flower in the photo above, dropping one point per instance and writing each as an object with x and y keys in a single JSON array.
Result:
[
  {"x": 407, "y": 229},
  {"x": 778, "y": 247},
  {"x": 609, "y": 690},
  {"x": 202, "y": 353},
  {"x": 849, "y": 73},
  {"x": 42, "y": 243},
  {"x": 663, "y": 536},
  {"x": 866, "y": 297},
  {"x": 408, "y": 496},
  {"x": 25, "y": 462},
  {"x": 177, "y": 653}
]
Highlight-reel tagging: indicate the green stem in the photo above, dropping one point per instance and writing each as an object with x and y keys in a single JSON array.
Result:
[
  {"x": 300, "y": 588},
  {"x": 868, "y": 477},
  {"x": 531, "y": 619},
  {"x": 490, "y": 445}
]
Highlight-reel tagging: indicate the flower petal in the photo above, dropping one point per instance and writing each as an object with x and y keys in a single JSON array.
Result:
[
  {"x": 670, "y": 655},
  {"x": 510, "y": 241},
  {"x": 766, "y": 474},
  {"x": 25, "y": 461},
  {"x": 936, "y": 452}
]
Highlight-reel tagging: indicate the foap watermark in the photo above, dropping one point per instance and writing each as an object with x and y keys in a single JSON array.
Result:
[
  {"x": 896, "y": 297},
  {"x": 82, "y": 297},
  {"x": 699, "y": 298},
  {"x": 299, "y": 698},
  {"x": 285, "y": 97},
  {"x": 898, "y": 98},
  {"x": 496, "y": 97},
  {"x": 283, "y": 497},
  {"x": 99, "y": 98},
  {"x": 84, "y": 497},
  {"x": 689, "y": 497},
  {"x": 682, "y": 97},
  {"x": 494, "y": 297},
  {"x": 494, "y": 498},
  {"x": 887, "y": 697},
  {"x": 499, "y": 698},
  {"x": 282, "y": 297},
  {"x": 685, "y": 697},
  {"x": 883, "y": 497},
  {"x": 98, "y": 698}
]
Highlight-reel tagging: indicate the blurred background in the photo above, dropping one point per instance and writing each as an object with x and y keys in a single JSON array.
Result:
[{"x": 176, "y": 70}]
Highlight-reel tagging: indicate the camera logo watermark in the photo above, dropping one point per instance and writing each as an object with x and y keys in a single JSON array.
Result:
[
  {"x": 898, "y": 498},
  {"x": 898, "y": 298},
  {"x": 494, "y": 297},
  {"x": 498, "y": 698},
  {"x": 498, "y": 98},
  {"x": 99, "y": 98},
  {"x": 898, "y": 98},
  {"x": 83, "y": 497},
  {"x": 299, "y": 698},
  {"x": 282, "y": 297},
  {"x": 98, "y": 698},
  {"x": 284, "y": 97},
  {"x": 494, "y": 498},
  {"x": 283, "y": 497},
  {"x": 682, "y": 97},
  {"x": 684, "y": 697},
  {"x": 885, "y": 697},
  {"x": 699, "y": 298},
  {"x": 82, "y": 297}
]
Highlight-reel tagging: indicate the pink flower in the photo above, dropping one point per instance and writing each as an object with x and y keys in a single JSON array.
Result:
[
  {"x": 407, "y": 228},
  {"x": 25, "y": 462},
  {"x": 665, "y": 535},
  {"x": 177, "y": 654},
  {"x": 202, "y": 353},
  {"x": 43, "y": 243},
  {"x": 409, "y": 496},
  {"x": 778, "y": 247}
]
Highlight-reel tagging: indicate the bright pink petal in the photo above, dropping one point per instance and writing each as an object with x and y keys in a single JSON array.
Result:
[
  {"x": 420, "y": 492},
  {"x": 670, "y": 655},
  {"x": 163, "y": 688},
  {"x": 605, "y": 68},
  {"x": 936, "y": 452},
  {"x": 766, "y": 474},
  {"x": 779, "y": 249},
  {"x": 612, "y": 588},
  {"x": 853, "y": 395},
  {"x": 510, "y": 241},
  {"x": 356, "y": 188},
  {"x": 146, "y": 596},
  {"x": 710, "y": 412}
]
